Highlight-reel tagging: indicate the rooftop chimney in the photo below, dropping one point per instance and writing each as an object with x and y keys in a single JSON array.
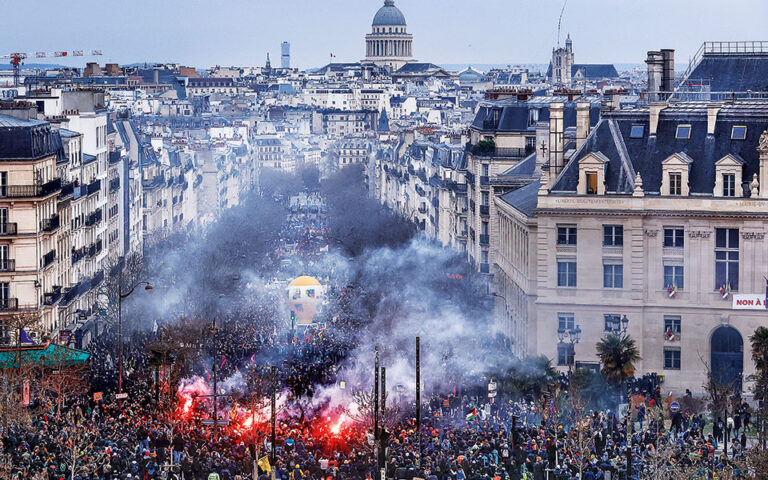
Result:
[
  {"x": 654, "y": 110},
  {"x": 542, "y": 144},
  {"x": 582, "y": 122},
  {"x": 668, "y": 72},
  {"x": 712, "y": 111},
  {"x": 655, "y": 63},
  {"x": 556, "y": 134}
]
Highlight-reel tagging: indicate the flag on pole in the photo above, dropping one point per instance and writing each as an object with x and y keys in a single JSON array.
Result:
[
  {"x": 253, "y": 358},
  {"x": 223, "y": 361},
  {"x": 472, "y": 415},
  {"x": 264, "y": 465},
  {"x": 154, "y": 326},
  {"x": 24, "y": 337},
  {"x": 766, "y": 293}
]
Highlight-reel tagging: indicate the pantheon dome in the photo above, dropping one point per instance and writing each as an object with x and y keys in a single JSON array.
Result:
[{"x": 389, "y": 43}]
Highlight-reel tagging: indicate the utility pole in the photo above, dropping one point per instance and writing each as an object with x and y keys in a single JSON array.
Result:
[
  {"x": 383, "y": 433},
  {"x": 273, "y": 417},
  {"x": 418, "y": 398},
  {"x": 376, "y": 445},
  {"x": 629, "y": 431},
  {"x": 215, "y": 330}
]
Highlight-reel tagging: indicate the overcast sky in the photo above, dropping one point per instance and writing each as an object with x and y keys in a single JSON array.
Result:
[{"x": 202, "y": 33}]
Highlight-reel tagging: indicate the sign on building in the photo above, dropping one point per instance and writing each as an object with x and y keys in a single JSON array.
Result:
[{"x": 749, "y": 301}]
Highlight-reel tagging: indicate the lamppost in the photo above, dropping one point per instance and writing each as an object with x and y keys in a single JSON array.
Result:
[
  {"x": 570, "y": 336},
  {"x": 617, "y": 326},
  {"x": 120, "y": 297}
]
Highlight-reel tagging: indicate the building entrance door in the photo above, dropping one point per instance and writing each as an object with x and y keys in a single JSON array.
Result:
[{"x": 727, "y": 356}]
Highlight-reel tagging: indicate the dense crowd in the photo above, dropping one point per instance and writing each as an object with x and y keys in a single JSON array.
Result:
[{"x": 462, "y": 435}]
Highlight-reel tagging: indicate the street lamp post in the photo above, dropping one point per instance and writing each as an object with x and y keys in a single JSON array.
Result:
[
  {"x": 570, "y": 336},
  {"x": 120, "y": 297},
  {"x": 618, "y": 326}
]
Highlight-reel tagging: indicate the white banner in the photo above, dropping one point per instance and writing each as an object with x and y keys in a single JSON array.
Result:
[{"x": 749, "y": 301}]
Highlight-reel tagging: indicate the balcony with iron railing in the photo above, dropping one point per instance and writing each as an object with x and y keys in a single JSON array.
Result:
[
  {"x": 7, "y": 265},
  {"x": 30, "y": 191},
  {"x": 484, "y": 180},
  {"x": 93, "y": 218},
  {"x": 470, "y": 177},
  {"x": 9, "y": 304},
  {"x": 67, "y": 190},
  {"x": 50, "y": 298},
  {"x": 502, "y": 152},
  {"x": 472, "y": 206},
  {"x": 485, "y": 268},
  {"x": 485, "y": 210},
  {"x": 94, "y": 187},
  {"x": 50, "y": 224},
  {"x": 48, "y": 259},
  {"x": 485, "y": 239},
  {"x": 8, "y": 229},
  {"x": 114, "y": 185},
  {"x": 78, "y": 254}
]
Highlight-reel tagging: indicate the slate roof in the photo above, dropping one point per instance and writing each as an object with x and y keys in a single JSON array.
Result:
[
  {"x": 595, "y": 71},
  {"x": 730, "y": 72},
  {"x": 590, "y": 71},
  {"x": 419, "y": 67},
  {"x": 513, "y": 116},
  {"x": 27, "y": 139},
  {"x": 629, "y": 155},
  {"x": 524, "y": 199}
]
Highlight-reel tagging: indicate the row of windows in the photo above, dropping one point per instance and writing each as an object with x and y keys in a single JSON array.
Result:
[
  {"x": 683, "y": 132},
  {"x": 613, "y": 236},
  {"x": 726, "y": 259}
]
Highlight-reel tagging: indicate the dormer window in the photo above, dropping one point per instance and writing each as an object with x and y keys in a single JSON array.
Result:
[
  {"x": 675, "y": 183},
  {"x": 591, "y": 183},
  {"x": 637, "y": 131},
  {"x": 592, "y": 169},
  {"x": 729, "y": 184},
  {"x": 683, "y": 132},
  {"x": 739, "y": 132},
  {"x": 675, "y": 170},
  {"x": 728, "y": 172}
]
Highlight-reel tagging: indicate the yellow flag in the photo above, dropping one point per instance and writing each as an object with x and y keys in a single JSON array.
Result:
[{"x": 264, "y": 464}]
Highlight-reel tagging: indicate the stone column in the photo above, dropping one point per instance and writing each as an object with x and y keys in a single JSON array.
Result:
[{"x": 762, "y": 150}]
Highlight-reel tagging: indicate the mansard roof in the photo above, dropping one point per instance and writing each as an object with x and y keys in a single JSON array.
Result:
[{"x": 645, "y": 154}]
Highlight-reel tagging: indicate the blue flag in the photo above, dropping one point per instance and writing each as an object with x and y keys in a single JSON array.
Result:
[{"x": 24, "y": 337}]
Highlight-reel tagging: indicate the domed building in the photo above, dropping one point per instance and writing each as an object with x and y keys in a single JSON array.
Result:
[{"x": 389, "y": 44}]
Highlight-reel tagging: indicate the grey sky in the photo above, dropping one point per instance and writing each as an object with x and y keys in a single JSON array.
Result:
[{"x": 240, "y": 32}]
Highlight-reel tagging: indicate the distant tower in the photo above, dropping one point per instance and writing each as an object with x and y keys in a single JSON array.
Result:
[
  {"x": 562, "y": 64},
  {"x": 268, "y": 66},
  {"x": 285, "y": 59}
]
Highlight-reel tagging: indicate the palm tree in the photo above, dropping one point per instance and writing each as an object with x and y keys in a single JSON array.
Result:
[{"x": 618, "y": 355}]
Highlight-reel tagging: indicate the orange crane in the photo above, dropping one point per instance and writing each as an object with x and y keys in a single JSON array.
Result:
[{"x": 17, "y": 58}]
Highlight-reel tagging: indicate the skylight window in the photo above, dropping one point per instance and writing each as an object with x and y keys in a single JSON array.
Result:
[
  {"x": 739, "y": 132},
  {"x": 683, "y": 132},
  {"x": 637, "y": 131}
]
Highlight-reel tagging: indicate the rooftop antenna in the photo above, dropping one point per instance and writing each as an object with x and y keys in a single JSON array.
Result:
[{"x": 560, "y": 21}]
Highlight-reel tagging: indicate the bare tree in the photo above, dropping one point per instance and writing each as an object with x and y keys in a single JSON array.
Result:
[
  {"x": 61, "y": 375},
  {"x": 13, "y": 378},
  {"x": 363, "y": 413}
]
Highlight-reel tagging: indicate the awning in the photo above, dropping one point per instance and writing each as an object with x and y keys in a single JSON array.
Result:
[{"x": 48, "y": 355}]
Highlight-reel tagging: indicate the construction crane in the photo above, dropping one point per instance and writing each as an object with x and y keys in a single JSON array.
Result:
[{"x": 17, "y": 58}]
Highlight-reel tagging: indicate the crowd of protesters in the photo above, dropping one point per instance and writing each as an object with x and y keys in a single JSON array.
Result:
[{"x": 461, "y": 436}]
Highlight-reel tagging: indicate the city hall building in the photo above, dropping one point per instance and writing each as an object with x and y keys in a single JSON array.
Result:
[{"x": 657, "y": 219}]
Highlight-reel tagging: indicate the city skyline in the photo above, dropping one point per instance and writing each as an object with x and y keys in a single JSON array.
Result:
[{"x": 203, "y": 37}]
